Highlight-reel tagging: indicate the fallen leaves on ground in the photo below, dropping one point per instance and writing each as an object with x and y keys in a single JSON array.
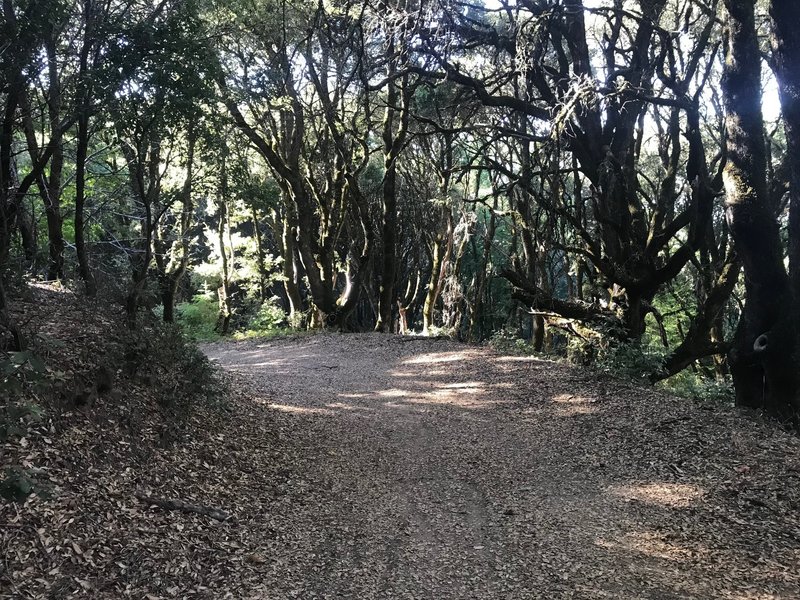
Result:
[{"x": 369, "y": 466}]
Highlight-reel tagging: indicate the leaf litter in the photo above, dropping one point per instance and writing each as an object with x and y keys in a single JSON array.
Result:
[{"x": 369, "y": 466}]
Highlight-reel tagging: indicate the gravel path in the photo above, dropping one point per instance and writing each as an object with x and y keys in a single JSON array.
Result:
[{"x": 415, "y": 468}]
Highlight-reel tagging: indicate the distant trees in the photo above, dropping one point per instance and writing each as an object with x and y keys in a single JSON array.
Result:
[{"x": 308, "y": 114}]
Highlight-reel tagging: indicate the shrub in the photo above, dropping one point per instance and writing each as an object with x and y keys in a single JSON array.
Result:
[
  {"x": 635, "y": 361},
  {"x": 17, "y": 484},
  {"x": 198, "y": 318},
  {"x": 698, "y": 387},
  {"x": 20, "y": 369},
  {"x": 506, "y": 340},
  {"x": 20, "y": 374},
  {"x": 269, "y": 317}
]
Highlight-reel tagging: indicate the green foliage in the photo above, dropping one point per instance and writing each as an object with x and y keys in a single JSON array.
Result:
[
  {"x": 16, "y": 416},
  {"x": 581, "y": 351},
  {"x": 698, "y": 387},
  {"x": 445, "y": 332},
  {"x": 638, "y": 361},
  {"x": 199, "y": 317},
  {"x": 635, "y": 361},
  {"x": 506, "y": 340},
  {"x": 19, "y": 370},
  {"x": 23, "y": 375},
  {"x": 269, "y": 317},
  {"x": 17, "y": 484}
]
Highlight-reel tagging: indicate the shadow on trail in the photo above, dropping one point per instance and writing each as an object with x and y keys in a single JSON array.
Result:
[{"x": 449, "y": 471}]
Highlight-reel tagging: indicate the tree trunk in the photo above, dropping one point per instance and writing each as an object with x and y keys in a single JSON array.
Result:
[
  {"x": 168, "y": 290},
  {"x": 224, "y": 318},
  {"x": 55, "y": 236},
  {"x": 173, "y": 271},
  {"x": 539, "y": 328},
  {"x": 389, "y": 264},
  {"x": 786, "y": 54},
  {"x": 476, "y": 314},
  {"x": 140, "y": 269},
  {"x": 260, "y": 256},
  {"x": 442, "y": 245},
  {"x": 81, "y": 153},
  {"x": 762, "y": 365},
  {"x": 392, "y": 146},
  {"x": 290, "y": 279},
  {"x": 409, "y": 299},
  {"x": 27, "y": 233},
  {"x": 786, "y": 49}
]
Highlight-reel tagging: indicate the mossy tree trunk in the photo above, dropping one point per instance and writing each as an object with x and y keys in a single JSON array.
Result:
[
  {"x": 395, "y": 129},
  {"x": 762, "y": 359},
  {"x": 291, "y": 280}
]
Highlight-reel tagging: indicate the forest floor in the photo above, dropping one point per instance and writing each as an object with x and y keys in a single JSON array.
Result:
[
  {"x": 366, "y": 466},
  {"x": 415, "y": 468}
]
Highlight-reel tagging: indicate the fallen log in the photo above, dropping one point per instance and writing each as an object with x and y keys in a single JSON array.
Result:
[{"x": 180, "y": 505}]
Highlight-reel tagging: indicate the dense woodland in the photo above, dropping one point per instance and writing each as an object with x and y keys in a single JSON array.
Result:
[{"x": 615, "y": 181}]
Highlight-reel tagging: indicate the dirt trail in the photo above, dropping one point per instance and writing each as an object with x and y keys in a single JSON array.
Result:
[{"x": 431, "y": 470}]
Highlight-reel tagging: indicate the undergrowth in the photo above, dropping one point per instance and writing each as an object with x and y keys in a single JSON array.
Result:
[
  {"x": 199, "y": 319},
  {"x": 98, "y": 369},
  {"x": 162, "y": 355},
  {"x": 630, "y": 361}
]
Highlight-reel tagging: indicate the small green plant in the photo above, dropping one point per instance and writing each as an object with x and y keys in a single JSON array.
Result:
[
  {"x": 506, "y": 340},
  {"x": 638, "y": 361},
  {"x": 635, "y": 361},
  {"x": 581, "y": 351},
  {"x": 444, "y": 332},
  {"x": 19, "y": 370},
  {"x": 17, "y": 484},
  {"x": 23, "y": 375},
  {"x": 16, "y": 416},
  {"x": 269, "y": 317},
  {"x": 198, "y": 318},
  {"x": 698, "y": 387}
]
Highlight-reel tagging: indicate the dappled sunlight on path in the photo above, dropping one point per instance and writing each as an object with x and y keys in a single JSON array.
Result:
[{"x": 430, "y": 469}]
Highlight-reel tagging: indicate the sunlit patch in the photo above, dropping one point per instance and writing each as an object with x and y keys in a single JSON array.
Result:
[
  {"x": 300, "y": 409},
  {"x": 653, "y": 544},
  {"x": 467, "y": 386},
  {"x": 505, "y": 359},
  {"x": 438, "y": 357},
  {"x": 416, "y": 374},
  {"x": 463, "y": 397},
  {"x": 343, "y": 406},
  {"x": 468, "y": 398},
  {"x": 354, "y": 395},
  {"x": 394, "y": 393},
  {"x": 572, "y": 399},
  {"x": 575, "y": 410},
  {"x": 243, "y": 365},
  {"x": 394, "y": 405},
  {"x": 675, "y": 495}
]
